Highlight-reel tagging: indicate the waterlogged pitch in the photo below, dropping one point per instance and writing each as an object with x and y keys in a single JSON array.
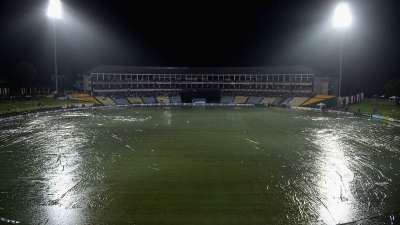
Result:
[{"x": 198, "y": 166}]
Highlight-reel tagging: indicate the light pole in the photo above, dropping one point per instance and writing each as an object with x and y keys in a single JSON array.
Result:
[
  {"x": 54, "y": 12},
  {"x": 342, "y": 19}
]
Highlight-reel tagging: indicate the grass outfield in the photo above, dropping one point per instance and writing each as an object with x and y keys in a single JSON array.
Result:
[
  {"x": 198, "y": 166},
  {"x": 384, "y": 107},
  {"x": 13, "y": 106}
]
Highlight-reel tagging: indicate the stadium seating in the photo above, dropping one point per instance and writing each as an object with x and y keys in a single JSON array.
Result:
[
  {"x": 105, "y": 100},
  {"x": 268, "y": 100},
  {"x": 286, "y": 101},
  {"x": 84, "y": 97},
  {"x": 120, "y": 100},
  {"x": 149, "y": 100},
  {"x": 163, "y": 99},
  {"x": 135, "y": 100},
  {"x": 278, "y": 101},
  {"x": 328, "y": 100},
  {"x": 175, "y": 99},
  {"x": 226, "y": 99},
  {"x": 240, "y": 99},
  {"x": 297, "y": 101},
  {"x": 254, "y": 100}
]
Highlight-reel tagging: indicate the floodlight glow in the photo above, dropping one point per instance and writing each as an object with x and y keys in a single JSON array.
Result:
[
  {"x": 54, "y": 10},
  {"x": 342, "y": 17}
]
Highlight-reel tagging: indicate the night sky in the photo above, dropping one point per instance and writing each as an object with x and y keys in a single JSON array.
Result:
[{"x": 189, "y": 34}]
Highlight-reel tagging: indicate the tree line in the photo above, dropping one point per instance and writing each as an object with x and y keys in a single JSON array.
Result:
[{"x": 392, "y": 88}]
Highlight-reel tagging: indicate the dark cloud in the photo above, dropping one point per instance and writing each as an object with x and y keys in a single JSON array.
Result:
[{"x": 274, "y": 32}]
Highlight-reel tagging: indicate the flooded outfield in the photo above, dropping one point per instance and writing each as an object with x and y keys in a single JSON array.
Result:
[{"x": 198, "y": 166}]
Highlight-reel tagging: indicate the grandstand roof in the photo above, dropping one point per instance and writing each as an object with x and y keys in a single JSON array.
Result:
[{"x": 148, "y": 69}]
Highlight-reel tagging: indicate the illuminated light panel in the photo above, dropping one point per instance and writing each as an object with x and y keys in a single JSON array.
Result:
[
  {"x": 342, "y": 17},
  {"x": 54, "y": 10}
]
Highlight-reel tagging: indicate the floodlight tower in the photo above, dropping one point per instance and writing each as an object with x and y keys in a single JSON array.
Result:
[
  {"x": 342, "y": 19},
  {"x": 54, "y": 12}
]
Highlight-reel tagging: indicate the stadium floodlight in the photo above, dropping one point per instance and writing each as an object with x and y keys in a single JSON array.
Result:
[
  {"x": 342, "y": 19},
  {"x": 342, "y": 16},
  {"x": 54, "y": 9},
  {"x": 54, "y": 12}
]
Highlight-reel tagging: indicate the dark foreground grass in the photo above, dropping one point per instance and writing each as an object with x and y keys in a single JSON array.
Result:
[
  {"x": 383, "y": 107},
  {"x": 23, "y": 105}
]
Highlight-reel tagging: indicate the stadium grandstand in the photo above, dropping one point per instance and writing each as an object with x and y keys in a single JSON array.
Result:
[{"x": 121, "y": 85}]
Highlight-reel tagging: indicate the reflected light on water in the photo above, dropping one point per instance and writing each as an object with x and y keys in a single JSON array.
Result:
[
  {"x": 62, "y": 176},
  {"x": 336, "y": 179},
  {"x": 168, "y": 117}
]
